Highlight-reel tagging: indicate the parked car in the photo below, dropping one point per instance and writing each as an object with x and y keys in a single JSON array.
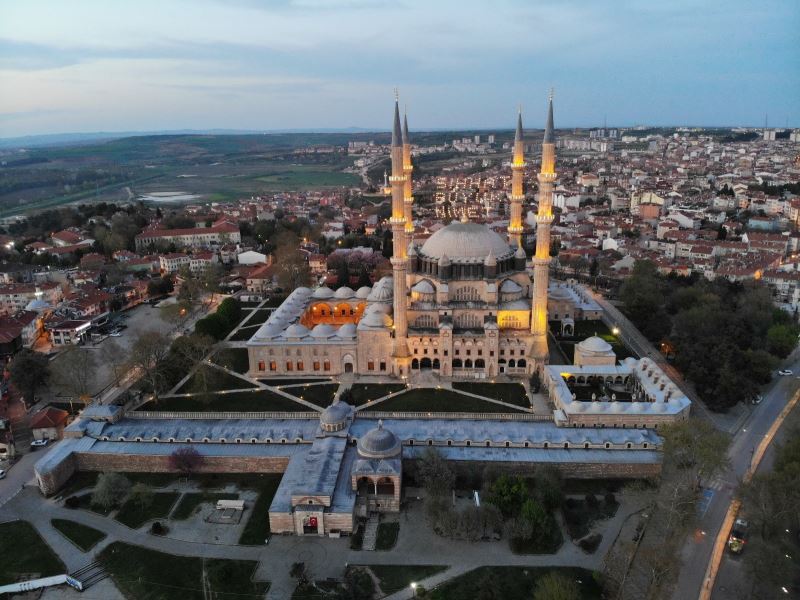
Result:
[
  {"x": 785, "y": 372},
  {"x": 39, "y": 443},
  {"x": 756, "y": 399},
  {"x": 2, "y": 474},
  {"x": 738, "y": 536},
  {"x": 116, "y": 334}
]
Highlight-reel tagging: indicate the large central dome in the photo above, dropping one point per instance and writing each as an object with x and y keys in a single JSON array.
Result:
[{"x": 465, "y": 240}]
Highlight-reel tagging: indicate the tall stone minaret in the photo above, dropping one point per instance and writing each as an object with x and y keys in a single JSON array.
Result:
[
  {"x": 399, "y": 245},
  {"x": 517, "y": 193},
  {"x": 408, "y": 193},
  {"x": 541, "y": 260}
]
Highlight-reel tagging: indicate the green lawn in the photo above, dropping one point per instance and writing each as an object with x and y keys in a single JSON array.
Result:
[
  {"x": 233, "y": 358},
  {"x": 132, "y": 514},
  {"x": 434, "y": 400},
  {"x": 85, "y": 502},
  {"x": 25, "y": 553},
  {"x": 191, "y": 500},
  {"x": 83, "y": 536},
  {"x": 321, "y": 395},
  {"x": 361, "y": 393},
  {"x": 387, "y": 536},
  {"x": 579, "y": 516},
  {"x": 259, "y": 317},
  {"x": 262, "y": 400},
  {"x": 585, "y": 329},
  {"x": 394, "y": 578},
  {"x": 306, "y": 176},
  {"x": 215, "y": 381},
  {"x": 513, "y": 393},
  {"x": 256, "y": 530},
  {"x": 150, "y": 575},
  {"x": 512, "y": 583}
]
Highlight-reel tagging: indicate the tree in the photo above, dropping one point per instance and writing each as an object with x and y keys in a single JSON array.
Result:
[
  {"x": 508, "y": 494},
  {"x": 555, "y": 586},
  {"x": 292, "y": 269},
  {"x": 186, "y": 460},
  {"x": 113, "y": 355},
  {"x": 74, "y": 370},
  {"x": 210, "y": 279},
  {"x": 781, "y": 339},
  {"x": 435, "y": 474},
  {"x": 141, "y": 494},
  {"x": 111, "y": 490},
  {"x": 148, "y": 355},
  {"x": 160, "y": 286},
  {"x": 29, "y": 371},
  {"x": 231, "y": 310},
  {"x": 213, "y": 325}
]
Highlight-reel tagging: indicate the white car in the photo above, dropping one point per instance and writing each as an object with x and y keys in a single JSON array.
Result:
[
  {"x": 2, "y": 474},
  {"x": 785, "y": 372},
  {"x": 116, "y": 334},
  {"x": 39, "y": 443}
]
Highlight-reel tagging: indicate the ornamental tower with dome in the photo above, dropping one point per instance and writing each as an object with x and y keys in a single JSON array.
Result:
[{"x": 461, "y": 305}]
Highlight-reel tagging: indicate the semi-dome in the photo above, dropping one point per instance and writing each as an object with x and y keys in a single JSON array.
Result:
[
  {"x": 465, "y": 240},
  {"x": 595, "y": 344},
  {"x": 376, "y": 319},
  {"x": 268, "y": 331},
  {"x": 510, "y": 286},
  {"x": 382, "y": 291},
  {"x": 379, "y": 443},
  {"x": 344, "y": 292},
  {"x": 423, "y": 287}
]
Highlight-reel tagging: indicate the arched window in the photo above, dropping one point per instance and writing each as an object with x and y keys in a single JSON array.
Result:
[
  {"x": 425, "y": 322},
  {"x": 457, "y": 363},
  {"x": 468, "y": 364},
  {"x": 480, "y": 363},
  {"x": 521, "y": 363},
  {"x": 467, "y": 321},
  {"x": 466, "y": 294}
]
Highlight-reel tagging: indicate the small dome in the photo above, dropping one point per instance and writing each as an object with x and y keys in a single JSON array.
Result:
[
  {"x": 344, "y": 292},
  {"x": 268, "y": 331},
  {"x": 363, "y": 292},
  {"x": 379, "y": 443},
  {"x": 323, "y": 292},
  {"x": 348, "y": 330},
  {"x": 382, "y": 291},
  {"x": 376, "y": 319},
  {"x": 423, "y": 287},
  {"x": 322, "y": 331},
  {"x": 296, "y": 331},
  {"x": 334, "y": 418},
  {"x": 558, "y": 292},
  {"x": 520, "y": 253},
  {"x": 301, "y": 292},
  {"x": 595, "y": 344}
]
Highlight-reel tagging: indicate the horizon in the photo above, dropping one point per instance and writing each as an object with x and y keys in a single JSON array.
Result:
[{"x": 332, "y": 64}]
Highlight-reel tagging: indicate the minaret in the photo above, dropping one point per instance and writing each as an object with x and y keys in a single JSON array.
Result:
[
  {"x": 541, "y": 260},
  {"x": 517, "y": 193},
  {"x": 399, "y": 245},
  {"x": 408, "y": 197}
]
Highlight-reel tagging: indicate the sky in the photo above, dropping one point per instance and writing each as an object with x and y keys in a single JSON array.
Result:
[{"x": 143, "y": 65}]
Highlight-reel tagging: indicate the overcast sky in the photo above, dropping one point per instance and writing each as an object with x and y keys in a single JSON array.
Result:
[{"x": 120, "y": 65}]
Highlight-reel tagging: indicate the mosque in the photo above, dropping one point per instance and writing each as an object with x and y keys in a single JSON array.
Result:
[{"x": 462, "y": 305}]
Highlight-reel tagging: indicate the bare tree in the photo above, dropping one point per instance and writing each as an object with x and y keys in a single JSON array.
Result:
[
  {"x": 148, "y": 354},
  {"x": 74, "y": 371},
  {"x": 186, "y": 460},
  {"x": 113, "y": 355}
]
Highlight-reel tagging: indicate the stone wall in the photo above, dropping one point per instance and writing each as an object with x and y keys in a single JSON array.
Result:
[
  {"x": 137, "y": 463},
  {"x": 50, "y": 482}
]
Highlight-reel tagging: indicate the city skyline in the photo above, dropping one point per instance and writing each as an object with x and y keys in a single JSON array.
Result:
[{"x": 330, "y": 65}]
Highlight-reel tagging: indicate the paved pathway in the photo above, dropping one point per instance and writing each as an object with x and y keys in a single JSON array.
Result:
[{"x": 325, "y": 557}]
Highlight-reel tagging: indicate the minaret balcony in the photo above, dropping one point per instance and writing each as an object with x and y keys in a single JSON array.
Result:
[
  {"x": 544, "y": 219},
  {"x": 519, "y": 165},
  {"x": 397, "y": 220},
  {"x": 409, "y": 199},
  {"x": 397, "y": 178},
  {"x": 515, "y": 229},
  {"x": 516, "y": 197},
  {"x": 543, "y": 177}
]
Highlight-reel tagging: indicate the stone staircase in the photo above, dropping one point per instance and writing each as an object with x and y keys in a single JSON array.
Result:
[{"x": 370, "y": 533}]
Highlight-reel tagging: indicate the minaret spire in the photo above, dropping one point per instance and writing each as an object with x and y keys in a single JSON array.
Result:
[
  {"x": 408, "y": 191},
  {"x": 541, "y": 260},
  {"x": 397, "y": 221},
  {"x": 517, "y": 192}
]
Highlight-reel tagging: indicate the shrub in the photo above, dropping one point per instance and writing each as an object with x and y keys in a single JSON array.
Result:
[
  {"x": 111, "y": 490},
  {"x": 157, "y": 528},
  {"x": 590, "y": 543},
  {"x": 72, "y": 502}
]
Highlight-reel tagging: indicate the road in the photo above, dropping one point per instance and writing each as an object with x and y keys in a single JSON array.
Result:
[{"x": 720, "y": 492}]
